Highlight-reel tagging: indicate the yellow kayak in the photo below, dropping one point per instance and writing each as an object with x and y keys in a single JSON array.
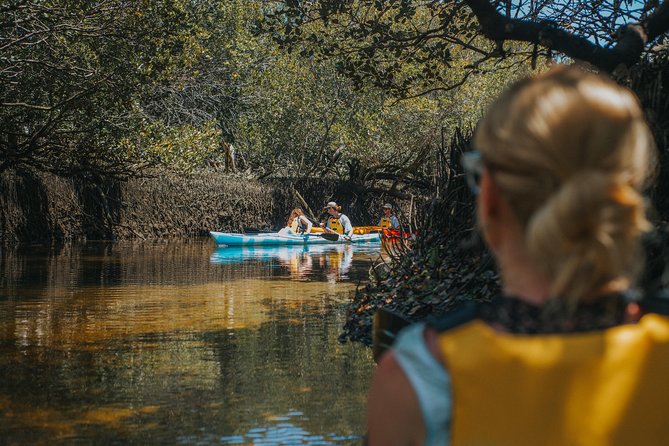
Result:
[{"x": 358, "y": 230}]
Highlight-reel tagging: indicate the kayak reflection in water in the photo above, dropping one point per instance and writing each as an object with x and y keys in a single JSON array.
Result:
[
  {"x": 334, "y": 261},
  {"x": 337, "y": 263},
  {"x": 299, "y": 263}
]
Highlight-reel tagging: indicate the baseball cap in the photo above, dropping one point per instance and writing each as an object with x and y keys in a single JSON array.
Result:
[
  {"x": 388, "y": 205},
  {"x": 331, "y": 204}
]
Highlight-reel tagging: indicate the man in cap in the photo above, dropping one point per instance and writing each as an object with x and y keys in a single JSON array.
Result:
[
  {"x": 389, "y": 221},
  {"x": 338, "y": 223}
]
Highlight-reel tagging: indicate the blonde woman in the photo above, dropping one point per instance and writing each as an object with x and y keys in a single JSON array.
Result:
[
  {"x": 562, "y": 357},
  {"x": 298, "y": 222}
]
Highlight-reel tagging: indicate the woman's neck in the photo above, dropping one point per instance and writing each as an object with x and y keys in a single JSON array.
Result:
[{"x": 520, "y": 277}]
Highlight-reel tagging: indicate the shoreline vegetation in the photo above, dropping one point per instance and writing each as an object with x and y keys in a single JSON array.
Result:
[{"x": 42, "y": 208}]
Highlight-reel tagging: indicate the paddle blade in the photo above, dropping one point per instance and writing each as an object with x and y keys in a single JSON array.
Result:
[{"x": 329, "y": 236}]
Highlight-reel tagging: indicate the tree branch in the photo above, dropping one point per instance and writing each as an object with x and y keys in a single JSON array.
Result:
[{"x": 631, "y": 39}]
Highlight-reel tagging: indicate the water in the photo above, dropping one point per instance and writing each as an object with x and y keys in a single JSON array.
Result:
[{"x": 180, "y": 343}]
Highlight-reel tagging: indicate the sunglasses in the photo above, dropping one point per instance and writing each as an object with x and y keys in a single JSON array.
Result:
[{"x": 472, "y": 163}]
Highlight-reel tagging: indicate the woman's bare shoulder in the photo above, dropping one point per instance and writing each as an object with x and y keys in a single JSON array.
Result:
[{"x": 393, "y": 412}]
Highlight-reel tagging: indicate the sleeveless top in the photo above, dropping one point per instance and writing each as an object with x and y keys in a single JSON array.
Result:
[
  {"x": 430, "y": 381},
  {"x": 297, "y": 226}
]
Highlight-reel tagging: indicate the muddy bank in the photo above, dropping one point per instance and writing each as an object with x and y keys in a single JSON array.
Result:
[{"x": 39, "y": 207}]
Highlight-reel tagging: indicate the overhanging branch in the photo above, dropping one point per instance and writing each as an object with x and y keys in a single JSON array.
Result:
[{"x": 632, "y": 38}]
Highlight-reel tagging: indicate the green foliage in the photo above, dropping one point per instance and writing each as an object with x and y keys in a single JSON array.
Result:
[
  {"x": 114, "y": 87},
  {"x": 409, "y": 46},
  {"x": 70, "y": 72},
  {"x": 181, "y": 147},
  {"x": 361, "y": 96},
  {"x": 404, "y": 47}
]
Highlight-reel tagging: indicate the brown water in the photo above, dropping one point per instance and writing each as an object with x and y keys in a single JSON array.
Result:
[{"x": 180, "y": 343}]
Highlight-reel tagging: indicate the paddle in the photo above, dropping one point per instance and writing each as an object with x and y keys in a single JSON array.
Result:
[
  {"x": 332, "y": 236},
  {"x": 326, "y": 235}
]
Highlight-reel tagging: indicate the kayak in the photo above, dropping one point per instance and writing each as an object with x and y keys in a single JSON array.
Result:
[
  {"x": 278, "y": 238},
  {"x": 390, "y": 234},
  {"x": 364, "y": 229}
]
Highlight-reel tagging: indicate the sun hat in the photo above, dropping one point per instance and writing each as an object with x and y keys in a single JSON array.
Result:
[{"x": 387, "y": 206}]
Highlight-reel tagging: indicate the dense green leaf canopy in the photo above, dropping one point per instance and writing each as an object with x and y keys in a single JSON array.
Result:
[{"x": 360, "y": 89}]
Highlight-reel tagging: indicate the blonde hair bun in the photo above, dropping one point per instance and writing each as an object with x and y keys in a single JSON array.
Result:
[
  {"x": 587, "y": 233},
  {"x": 571, "y": 152}
]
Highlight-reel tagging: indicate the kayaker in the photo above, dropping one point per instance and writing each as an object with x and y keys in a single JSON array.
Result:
[
  {"x": 298, "y": 222},
  {"x": 338, "y": 223},
  {"x": 562, "y": 356},
  {"x": 389, "y": 220}
]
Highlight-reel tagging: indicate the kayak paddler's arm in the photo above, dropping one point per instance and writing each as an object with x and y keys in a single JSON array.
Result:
[
  {"x": 326, "y": 229},
  {"x": 393, "y": 412},
  {"x": 347, "y": 226},
  {"x": 306, "y": 221}
]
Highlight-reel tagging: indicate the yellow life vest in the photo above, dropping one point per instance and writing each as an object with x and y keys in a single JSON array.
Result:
[
  {"x": 335, "y": 225},
  {"x": 607, "y": 387},
  {"x": 385, "y": 222},
  {"x": 334, "y": 260},
  {"x": 295, "y": 225}
]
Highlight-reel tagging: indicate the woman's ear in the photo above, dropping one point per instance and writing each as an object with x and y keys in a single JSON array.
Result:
[
  {"x": 489, "y": 198},
  {"x": 488, "y": 208}
]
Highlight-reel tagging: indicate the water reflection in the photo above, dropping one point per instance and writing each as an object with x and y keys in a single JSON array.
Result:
[
  {"x": 287, "y": 430},
  {"x": 164, "y": 343},
  {"x": 309, "y": 262}
]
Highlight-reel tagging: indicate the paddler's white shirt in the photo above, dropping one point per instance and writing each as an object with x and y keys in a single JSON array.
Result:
[
  {"x": 346, "y": 224},
  {"x": 307, "y": 223}
]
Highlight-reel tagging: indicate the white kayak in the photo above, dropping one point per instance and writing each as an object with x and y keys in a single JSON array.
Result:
[{"x": 288, "y": 238}]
